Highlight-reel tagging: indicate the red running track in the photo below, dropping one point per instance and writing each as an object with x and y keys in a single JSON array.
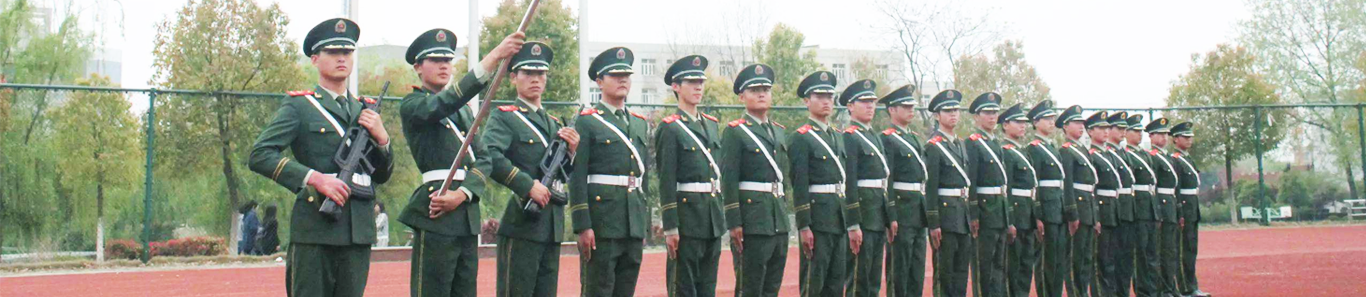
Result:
[{"x": 1310, "y": 261}]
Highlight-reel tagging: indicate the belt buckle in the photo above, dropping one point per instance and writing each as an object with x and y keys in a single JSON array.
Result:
[
  {"x": 964, "y": 193},
  {"x": 715, "y": 186},
  {"x": 631, "y": 183},
  {"x": 840, "y": 187},
  {"x": 778, "y": 189}
]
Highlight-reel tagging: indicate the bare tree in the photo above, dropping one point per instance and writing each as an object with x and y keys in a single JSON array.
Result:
[{"x": 932, "y": 35}]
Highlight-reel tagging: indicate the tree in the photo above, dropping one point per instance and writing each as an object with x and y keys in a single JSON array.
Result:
[
  {"x": 14, "y": 23},
  {"x": 1228, "y": 76},
  {"x": 48, "y": 59},
  {"x": 221, "y": 45},
  {"x": 866, "y": 67},
  {"x": 783, "y": 51},
  {"x": 98, "y": 145},
  {"x": 1307, "y": 48},
  {"x": 556, "y": 26},
  {"x": 1006, "y": 72},
  {"x": 934, "y": 34}
]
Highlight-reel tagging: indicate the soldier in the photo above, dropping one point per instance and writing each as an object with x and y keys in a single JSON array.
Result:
[
  {"x": 906, "y": 196},
  {"x": 816, "y": 152},
  {"x": 1169, "y": 235},
  {"x": 755, "y": 211},
  {"x": 1079, "y": 181},
  {"x": 435, "y": 118},
  {"x": 1183, "y": 136},
  {"x": 990, "y": 211},
  {"x": 1057, "y": 214},
  {"x": 1024, "y": 208},
  {"x": 868, "y": 191},
  {"x": 607, "y": 204},
  {"x": 946, "y": 204},
  {"x": 1107, "y": 205},
  {"x": 516, "y": 138},
  {"x": 328, "y": 255},
  {"x": 689, "y": 186},
  {"x": 1145, "y": 210},
  {"x": 1122, "y": 262}
]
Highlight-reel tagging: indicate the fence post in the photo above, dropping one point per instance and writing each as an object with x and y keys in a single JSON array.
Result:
[
  {"x": 1261, "y": 179},
  {"x": 147, "y": 185},
  {"x": 1361, "y": 140}
]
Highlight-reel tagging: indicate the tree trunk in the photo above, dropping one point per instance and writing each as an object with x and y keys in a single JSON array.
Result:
[
  {"x": 99, "y": 223},
  {"x": 1228, "y": 181},
  {"x": 230, "y": 176},
  {"x": 1351, "y": 184}
]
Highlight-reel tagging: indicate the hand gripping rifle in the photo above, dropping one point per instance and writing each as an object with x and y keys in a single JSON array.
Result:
[
  {"x": 553, "y": 175},
  {"x": 351, "y": 157}
]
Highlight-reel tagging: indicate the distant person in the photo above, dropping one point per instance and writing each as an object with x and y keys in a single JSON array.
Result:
[
  {"x": 268, "y": 235},
  {"x": 247, "y": 242},
  {"x": 381, "y": 225}
]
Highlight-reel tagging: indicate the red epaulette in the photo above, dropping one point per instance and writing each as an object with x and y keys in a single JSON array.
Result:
[
  {"x": 299, "y": 93},
  {"x": 415, "y": 87},
  {"x": 779, "y": 125},
  {"x": 1009, "y": 146},
  {"x": 507, "y": 108},
  {"x": 975, "y": 136},
  {"x": 1152, "y": 152},
  {"x": 889, "y": 131},
  {"x": 804, "y": 129},
  {"x": 851, "y": 129},
  {"x": 936, "y": 139},
  {"x": 1092, "y": 150},
  {"x": 588, "y": 111},
  {"x": 367, "y": 100},
  {"x": 671, "y": 119},
  {"x": 1066, "y": 145},
  {"x": 639, "y": 116},
  {"x": 736, "y": 122},
  {"x": 1176, "y": 155},
  {"x": 709, "y": 117},
  {"x": 1035, "y": 142}
]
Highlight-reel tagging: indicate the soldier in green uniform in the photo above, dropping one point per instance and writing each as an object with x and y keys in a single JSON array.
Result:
[
  {"x": 1079, "y": 184},
  {"x": 990, "y": 210},
  {"x": 866, "y": 191},
  {"x": 1146, "y": 207},
  {"x": 689, "y": 184},
  {"x": 1169, "y": 243},
  {"x": 946, "y": 198},
  {"x": 435, "y": 117},
  {"x": 1024, "y": 208},
  {"x": 756, "y": 211},
  {"x": 905, "y": 196},
  {"x": 607, "y": 203},
  {"x": 1057, "y": 214},
  {"x": 1107, "y": 203},
  {"x": 816, "y": 152},
  {"x": 1183, "y": 136},
  {"x": 328, "y": 256},
  {"x": 516, "y": 138},
  {"x": 1122, "y": 262}
]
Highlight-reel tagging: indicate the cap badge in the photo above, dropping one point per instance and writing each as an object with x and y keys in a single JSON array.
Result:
[
  {"x": 341, "y": 26},
  {"x": 825, "y": 76},
  {"x": 697, "y": 62},
  {"x": 759, "y": 70},
  {"x": 535, "y": 50},
  {"x": 621, "y": 53},
  {"x": 867, "y": 84},
  {"x": 441, "y": 36}
]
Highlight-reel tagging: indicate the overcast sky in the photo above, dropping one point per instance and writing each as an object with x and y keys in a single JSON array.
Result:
[{"x": 1095, "y": 53}]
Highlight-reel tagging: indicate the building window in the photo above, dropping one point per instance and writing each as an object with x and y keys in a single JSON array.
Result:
[
  {"x": 728, "y": 68},
  {"x": 595, "y": 93},
  {"x": 841, "y": 73},
  {"x": 649, "y": 95},
  {"x": 882, "y": 71},
  {"x": 647, "y": 66}
]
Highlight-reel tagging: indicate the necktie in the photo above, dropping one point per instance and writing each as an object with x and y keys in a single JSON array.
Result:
[
  {"x": 621, "y": 115},
  {"x": 346, "y": 109}
]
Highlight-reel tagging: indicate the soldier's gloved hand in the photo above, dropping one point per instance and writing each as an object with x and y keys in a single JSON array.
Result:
[
  {"x": 570, "y": 137},
  {"x": 974, "y": 225},
  {"x": 539, "y": 193},
  {"x": 737, "y": 239},
  {"x": 855, "y": 240},
  {"x": 371, "y": 121},
  {"x": 330, "y": 187},
  {"x": 891, "y": 232},
  {"x": 1010, "y": 234},
  {"x": 587, "y": 243},
  {"x": 808, "y": 241},
  {"x": 1072, "y": 227},
  {"x": 935, "y": 236},
  {"x": 505, "y": 49},
  {"x": 442, "y": 204},
  {"x": 671, "y": 241}
]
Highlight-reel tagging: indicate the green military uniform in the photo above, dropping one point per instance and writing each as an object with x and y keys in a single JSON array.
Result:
[
  {"x": 1146, "y": 209},
  {"x": 327, "y": 257},
  {"x": 1187, "y": 194},
  {"x": 905, "y": 200},
  {"x": 516, "y": 138},
  {"x": 1055, "y": 208},
  {"x": 946, "y": 203},
  {"x": 1121, "y": 270},
  {"x": 1024, "y": 208},
  {"x": 1169, "y": 242},
  {"x": 751, "y": 151},
  {"x": 445, "y": 258},
  {"x": 1107, "y": 206},
  {"x": 1079, "y": 181},
  {"x": 606, "y": 190},
  {"x": 816, "y": 152},
  {"x": 689, "y": 189},
  {"x": 990, "y": 207},
  {"x": 866, "y": 192}
]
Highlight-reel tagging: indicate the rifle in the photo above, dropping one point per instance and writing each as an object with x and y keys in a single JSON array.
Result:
[
  {"x": 553, "y": 176},
  {"x": 351, "y": 157}
]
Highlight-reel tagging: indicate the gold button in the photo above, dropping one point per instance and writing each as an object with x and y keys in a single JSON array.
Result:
[
  {"x": 946, "y": 204},
  {"x": 322, "y": 130},
  {"x": 749, "y": 201},
  {"x": 1102, "y": 202},
  {"x": 756, "y": 150},
  {"x": 530, "y": 141},
  {"x": 1079, "y": 199},
  {"x": 822, "y": 157},
  {"x": 685, "y": 200},
  {"x": 609, "y": 141},
  {"x": 598, "y": 198},
  {"x": 429, "y": 189},
  {"x": 908, "y": 155},
  {"x": 310, "y": 199},
  {"x": 713, "y": 195}
]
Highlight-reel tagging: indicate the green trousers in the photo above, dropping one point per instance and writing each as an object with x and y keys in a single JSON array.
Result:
[
  {"x": 693, "y": 271},
  {"x": 863, "y": 275},
  {"x": 1055, "y": 267},
  {"x": 760, "y": 264},
  {"x": 990, "y": 278},
  {"x": 1024, "y": 258},
  {"x": 527, "y": 268},
  {"x": 1083, "y": 254},
  {"x": 951, "y": 264},
  {"x": 613, "y": 267},
  {"x": 1190, "y": 248},
  {"x": 1146, "y": 259},
  {"x": 822, "y": 271},
  {"x": 315, "y": 270},
  {"x": 443, "y": 265},
  {"x": 1171, "y": 258},
  {"x": 906, "y": 263}
]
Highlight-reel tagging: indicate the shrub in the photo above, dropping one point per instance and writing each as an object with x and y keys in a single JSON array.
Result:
[
  {"x": 190, "y": 246},
  {"x": 123, "y": 249}
]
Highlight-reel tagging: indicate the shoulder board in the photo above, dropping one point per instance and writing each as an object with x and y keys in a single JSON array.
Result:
[
  {"x": 975, "y": 136},
  {"x": 588, "y": 111},
  {"x": 804, "y": 129},
  {"x": 936, "y": 139},
  {"x": 709, "y": 117},
  {"x": 736, "y": 122},
  {"x": 507, "y": 108},
  {"x": 1066, "y": 145},
  {"x": 415, "y": 87},
  {"x": 1036, "y": 142},
  {"x": 671, "y": 119},
  {"x": 1152, "y": 152},
  {"x": 1093, "y": 150},
  {"x": 367, "y": 100},
  {"x": 1176, "y": 155},
  {"x": 851, "y": 129},
  {"x": 553, "y": 117},
  {"x": 1127, "y": 149},
  {"x": 299, "y": 93},
  {"x": 916, "y": 133},
  {"x": 889, "y": 131},
  {"x": 1009, "y": 146},
  {"x": 639, "y": 116},
  {"x": 777, "y": 124}
]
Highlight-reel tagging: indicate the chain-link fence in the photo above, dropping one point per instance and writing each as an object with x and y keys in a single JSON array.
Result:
[{"x": 163, "y": 164}]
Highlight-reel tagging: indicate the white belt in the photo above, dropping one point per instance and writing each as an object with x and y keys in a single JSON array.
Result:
[
  {"x": 360, "y": 179},
  {"x": 1108, "y": 193},
  {"x": 1126, "y": 191},
  {"x": 435, "y": 175},
  {"x": 1166, "y": 191},
  {"x": 696, "y": 187},
  {"x": 1022, "y": 192},
  {"x": 914, "y": 187},
  {"x": 1083, "y": 187},
  {"x": 1143, "y": 188},
  {"x": 952, "y": 192},
  {"x": 615, "y": 180},
  {"x": 1190, "y": 191},
  {"x": 872, "y": 183},
  {"x": 823, "y": 189},
  {"x": 760, "y": 187},
  {"x": 1050, "y": 183},
  {"x": 990, "y": 190}
]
